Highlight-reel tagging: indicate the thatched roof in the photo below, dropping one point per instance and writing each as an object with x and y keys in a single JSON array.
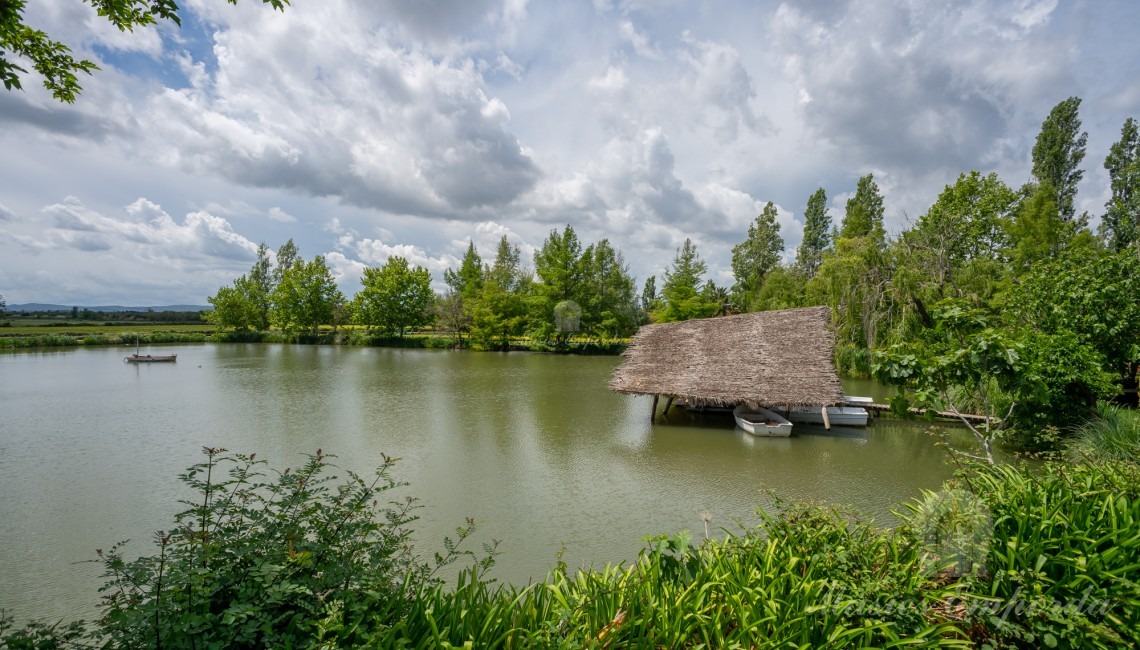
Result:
[{"x": 769, "y": 358}]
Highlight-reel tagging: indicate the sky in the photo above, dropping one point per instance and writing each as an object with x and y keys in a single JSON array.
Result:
[{"x": 363, "y": 130}]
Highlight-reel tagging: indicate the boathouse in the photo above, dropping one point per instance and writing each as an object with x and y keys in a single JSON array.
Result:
[{"x": 771, "y": 358}]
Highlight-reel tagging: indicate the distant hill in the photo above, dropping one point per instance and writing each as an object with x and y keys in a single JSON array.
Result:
[{"x": 38, "y": 306}]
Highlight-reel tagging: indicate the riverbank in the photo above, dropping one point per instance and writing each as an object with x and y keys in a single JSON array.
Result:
[
  {"x": 1000, "y": 557},
  {"x": 97, "y": 335}
]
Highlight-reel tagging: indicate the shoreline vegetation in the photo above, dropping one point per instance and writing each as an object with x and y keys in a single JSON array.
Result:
[
  {"x": 1001, "y": 557},
  {"x": 81, "y": 336}
]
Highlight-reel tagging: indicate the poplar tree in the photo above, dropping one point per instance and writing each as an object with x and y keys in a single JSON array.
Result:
[
  {"x": 817, "y": 234},
  {"x": 1058, "y": 153},
  {"x": 1120, "y": 225},
  {"x": 864, "y": 215},
  {"x": 759, "y": 253}
]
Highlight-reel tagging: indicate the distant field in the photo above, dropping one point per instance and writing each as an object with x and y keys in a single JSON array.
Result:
[{"x": 55, "y": 327}]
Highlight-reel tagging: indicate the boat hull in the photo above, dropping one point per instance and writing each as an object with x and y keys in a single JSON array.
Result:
[
  {"x": 148, "y": 358},
  {"x": 844, "y": 416},
  {"x": 761, "y": 422}
]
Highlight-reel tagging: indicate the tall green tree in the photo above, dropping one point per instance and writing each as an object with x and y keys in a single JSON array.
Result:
[
  {"x": 233, "y": 306},
  {"x": 558, "y": 265},
  {"x": 680, "y": 295},
  {"x": 395, "y": 297},
  {"x": 758, "y": 253},
  {"x": 305, "y": 297},
  {"x": 956, "y": 248},
  {"x": 53, "y": 59},
  {"x": 817, "y": 234},
  {"x": 864, "y": 216},
  {"x": 1058, "y": 153},
  {"x": 1038, "y": 231},
  {"x": 1120, "y": 225},
  {"x": 501, "y": 309},
  {"x": 287, "y": 256},
  {"x": 608, "y": 297},
  {"x": 649, "y": 294},
  {"x": 467, "y": 281},
  {"x": 261, "y": 287}
]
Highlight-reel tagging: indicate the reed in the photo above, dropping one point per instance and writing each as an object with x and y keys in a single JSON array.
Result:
[{"x": 1112, "y": 434}]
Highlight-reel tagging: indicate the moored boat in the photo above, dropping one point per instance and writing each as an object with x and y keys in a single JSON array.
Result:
[
  {"x": 845, "y": 416},
  {"x": 761, "y": 422},
  {"x": 150, "y": 358}
]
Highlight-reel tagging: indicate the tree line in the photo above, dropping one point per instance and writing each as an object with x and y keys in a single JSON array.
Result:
[{"x": 986, "y": 258}]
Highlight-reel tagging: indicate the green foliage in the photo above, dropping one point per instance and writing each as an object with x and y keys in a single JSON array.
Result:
[
  {"x": 783, "y": 288},
  {"x": 817, "y": 234},
  {"x": 864, "y": 216},
  {"x": 395, "y": 297},
  {"x": 1063, "y": 557},
  {"x": 1120, "y": 225},
  {"x": 854, "y": 281},
  {"x": 1090, "y": 295},
  {"x": 53, "y": 60},
  {"x": 305, "y": 297},
  {"x": 758, "y": 253},
  {"x": 681, "y": 296},
  {"x": 1038, "y": 231},
  {"x": 1112, "y": 434},
  {"x": 467, "y": 282},
  {"x": 1058, "y": 153},
  {"x": 1005, "y": 557}
]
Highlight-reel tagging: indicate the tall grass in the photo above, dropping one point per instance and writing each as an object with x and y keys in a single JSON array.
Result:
[{"x": 1113, "y": 434}]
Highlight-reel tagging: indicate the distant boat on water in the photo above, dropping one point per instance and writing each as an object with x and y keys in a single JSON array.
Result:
[{"x": 149, "y": 358}]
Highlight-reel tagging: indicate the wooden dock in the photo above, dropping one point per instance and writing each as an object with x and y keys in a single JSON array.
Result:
[{"x": 949, "y": 415}]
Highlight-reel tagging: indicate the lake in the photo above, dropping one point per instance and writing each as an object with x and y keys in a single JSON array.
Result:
[{"x": 533, "y": 446}]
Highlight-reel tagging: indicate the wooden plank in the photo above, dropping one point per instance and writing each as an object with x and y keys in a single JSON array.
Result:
[{"x": 969, "y": 417}]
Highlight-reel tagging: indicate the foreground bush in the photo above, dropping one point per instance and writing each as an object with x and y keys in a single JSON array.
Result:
[{"x": 1007, "y": 558}]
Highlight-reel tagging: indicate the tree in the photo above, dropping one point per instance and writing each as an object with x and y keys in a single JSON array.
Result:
[
  {"x": 680, "y": 294},
  {"x": 287, "y": 256},
  {"x": 649, "y": 294},
  {"x": 1038, "y": 231},
  {"x": 261, "y": 287},
  {"x": 53, "y": 60},
  {"x": 468, "y": 280},
  {"x": 817, "y": 234},
  {"x": 864, "y": 216},
  {"x": 607, "y": 299},
  {"x": 783, "y": 289},
  {"x": 501, "y": 308},
  {"x": 1120, "y": 225},
  {"x": 956, "y": 248},
  {"x": 558, "y": 265},
  {"x": 3, "y": 305},
  {"x": 395, "y": 297},
  {"x": 452, "y": 311},
  {"x": 231, "y": 306},
  {"x": 1058, "y": 153},
  {"x": 760, "y": 252},
  {"x": 305, "y": 297}
]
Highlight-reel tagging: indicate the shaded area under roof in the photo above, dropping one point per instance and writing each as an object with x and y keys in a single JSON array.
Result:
[{"x": 770, "y": 358}]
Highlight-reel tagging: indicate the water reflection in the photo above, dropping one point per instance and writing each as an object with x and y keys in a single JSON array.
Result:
[{"x": 535, "y": 447}]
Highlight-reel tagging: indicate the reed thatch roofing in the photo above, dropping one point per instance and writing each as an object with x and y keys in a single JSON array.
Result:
[{"x": 769, "y": 358}]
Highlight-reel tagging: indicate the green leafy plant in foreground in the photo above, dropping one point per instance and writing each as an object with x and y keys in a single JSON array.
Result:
[{"x": 288, "y": 559}]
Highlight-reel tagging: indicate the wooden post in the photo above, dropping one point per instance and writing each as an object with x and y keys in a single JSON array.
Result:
[
  {"x": 653, "y": 414},
  {"x": 668, "y": 405},
  {"x": 826, "y": 420}
]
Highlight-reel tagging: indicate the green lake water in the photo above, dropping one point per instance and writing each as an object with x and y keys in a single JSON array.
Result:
[{"x": 533, "y": 446}]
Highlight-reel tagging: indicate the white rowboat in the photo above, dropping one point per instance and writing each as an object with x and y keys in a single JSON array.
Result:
[
  {"x": 844, "y": 416},
  {"x": 761, "y": 422}
]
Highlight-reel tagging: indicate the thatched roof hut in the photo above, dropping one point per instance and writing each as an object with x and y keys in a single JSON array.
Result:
[{"x": 771, "y": 358}]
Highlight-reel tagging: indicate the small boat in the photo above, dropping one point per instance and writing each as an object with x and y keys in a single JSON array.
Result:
[
  {"x": 855, "y": 400},
  {"x": 761, "y": 422},
  {"x": 149, "y": 358},
  {"x": 844, "y": 416}
]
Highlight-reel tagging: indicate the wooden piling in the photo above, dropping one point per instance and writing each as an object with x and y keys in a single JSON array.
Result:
[{"x": 653, "y": 414}]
